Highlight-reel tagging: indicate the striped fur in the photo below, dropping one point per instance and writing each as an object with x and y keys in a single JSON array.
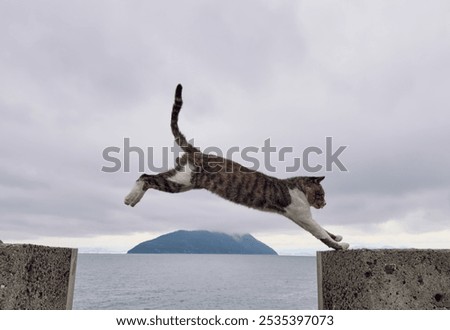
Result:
[{"x": 291, "y": 197}]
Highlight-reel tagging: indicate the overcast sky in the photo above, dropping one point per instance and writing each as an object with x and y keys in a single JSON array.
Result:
[{"x": 78, "y": 77}]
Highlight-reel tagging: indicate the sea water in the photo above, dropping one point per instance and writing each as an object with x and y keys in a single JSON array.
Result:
[{"x": 195, "y": 281}]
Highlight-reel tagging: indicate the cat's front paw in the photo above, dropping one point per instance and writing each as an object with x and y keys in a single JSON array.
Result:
[
  {"x": 344, "y": 246},
  {"x": 135, "y": 194}
]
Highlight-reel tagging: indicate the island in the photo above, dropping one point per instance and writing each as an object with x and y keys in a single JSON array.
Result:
[{"x": 203, "y": 242}]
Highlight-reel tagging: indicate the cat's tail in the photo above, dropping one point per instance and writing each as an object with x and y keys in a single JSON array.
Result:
[{"x": 180, "y": 139}]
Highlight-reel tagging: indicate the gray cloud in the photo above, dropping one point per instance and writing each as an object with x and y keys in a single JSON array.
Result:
[{"x": 78, "y": 77}]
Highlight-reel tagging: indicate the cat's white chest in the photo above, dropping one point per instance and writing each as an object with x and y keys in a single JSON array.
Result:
[{"x": 299, "y": 207}]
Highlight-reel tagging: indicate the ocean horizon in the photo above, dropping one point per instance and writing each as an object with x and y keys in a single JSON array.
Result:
[{"x": 195, "y": 281}]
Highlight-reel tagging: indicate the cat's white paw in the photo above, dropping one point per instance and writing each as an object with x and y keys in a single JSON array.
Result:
[
  {"x": 135, "y": 194},
  {"x": 344, "y": 246},
  {"x": 338, "y": 238}
]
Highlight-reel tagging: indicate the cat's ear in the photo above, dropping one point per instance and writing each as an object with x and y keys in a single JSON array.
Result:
[{"x": 319, "y": 178}]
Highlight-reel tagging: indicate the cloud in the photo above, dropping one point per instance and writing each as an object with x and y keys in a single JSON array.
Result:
[{"x": 79, "y": 77}]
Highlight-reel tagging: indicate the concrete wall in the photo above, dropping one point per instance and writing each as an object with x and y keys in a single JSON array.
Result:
[
  {"x": 36, "y": 277},
  {"x": 384, "y": 279}
]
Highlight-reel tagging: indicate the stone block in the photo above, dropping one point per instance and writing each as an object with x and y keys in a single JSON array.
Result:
[
  {"x": 384, "y": 279},
  {"x": 36, "y": 277}
]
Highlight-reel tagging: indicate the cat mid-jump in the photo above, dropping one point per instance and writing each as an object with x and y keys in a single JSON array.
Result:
[{"x": 291, "y": 197}]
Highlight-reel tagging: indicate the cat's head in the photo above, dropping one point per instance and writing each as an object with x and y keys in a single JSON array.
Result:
[{"x": 314, "y": 191}]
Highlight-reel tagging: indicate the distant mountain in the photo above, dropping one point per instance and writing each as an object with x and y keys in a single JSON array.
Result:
[{"x": 203, "y": 242}]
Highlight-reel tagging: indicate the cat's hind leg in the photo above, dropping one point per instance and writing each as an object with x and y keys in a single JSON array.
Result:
[
  {"x": 168, "y": 182},
  {"x": 136, "y": 193}
]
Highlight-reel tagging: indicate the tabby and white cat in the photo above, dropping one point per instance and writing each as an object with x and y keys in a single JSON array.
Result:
[{"x": 291, "y": 197}]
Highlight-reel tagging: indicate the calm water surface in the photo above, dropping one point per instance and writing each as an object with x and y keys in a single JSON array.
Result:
[{"x": 193, "y": 281}]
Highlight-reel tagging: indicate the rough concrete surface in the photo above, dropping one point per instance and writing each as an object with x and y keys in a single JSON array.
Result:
[
  {"x": 384, "y": 279},
  {"x": 36, "y": 277}
]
